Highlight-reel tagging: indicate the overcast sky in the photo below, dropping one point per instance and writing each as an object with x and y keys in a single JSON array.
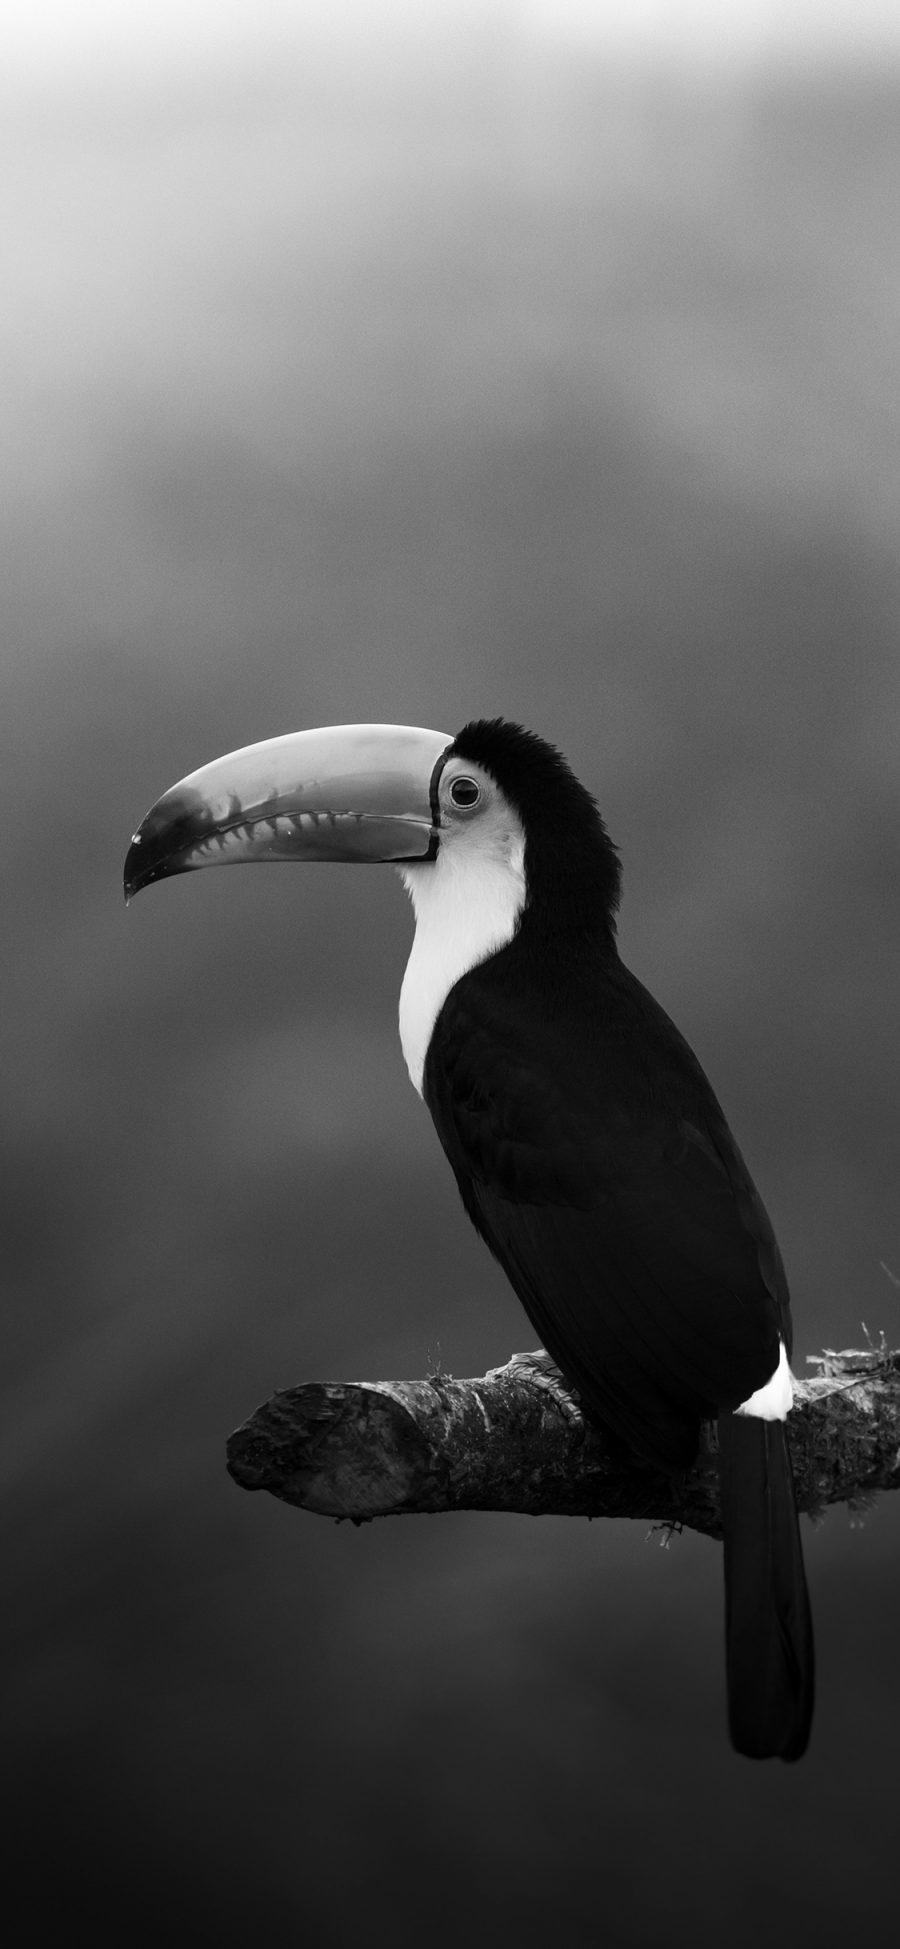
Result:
[{"x": 56, "y": 38}]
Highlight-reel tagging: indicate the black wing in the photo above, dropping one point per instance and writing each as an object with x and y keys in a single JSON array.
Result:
[{"x": 595, "y": 1161}]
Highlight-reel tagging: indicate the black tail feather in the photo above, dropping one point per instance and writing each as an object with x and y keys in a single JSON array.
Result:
[{"x": 768, "y": 1624}]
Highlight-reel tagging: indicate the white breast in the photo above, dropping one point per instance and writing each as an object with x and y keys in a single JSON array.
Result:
[{"x": 467, "y": 905}]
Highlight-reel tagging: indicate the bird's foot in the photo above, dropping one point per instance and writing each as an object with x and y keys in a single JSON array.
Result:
[{"x": 543, "y": 1372}]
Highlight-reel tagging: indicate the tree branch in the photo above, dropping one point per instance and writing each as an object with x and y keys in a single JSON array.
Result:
[{"x": 516, "y": 1440}]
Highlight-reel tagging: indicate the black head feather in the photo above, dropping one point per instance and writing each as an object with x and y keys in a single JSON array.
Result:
[{"x": 572, "y": 869}]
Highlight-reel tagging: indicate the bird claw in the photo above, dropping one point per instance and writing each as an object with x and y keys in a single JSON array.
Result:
[{"x": 542, "y": 1371}]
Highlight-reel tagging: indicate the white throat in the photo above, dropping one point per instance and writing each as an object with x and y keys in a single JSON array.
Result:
[{"x": 467, "y": 904}]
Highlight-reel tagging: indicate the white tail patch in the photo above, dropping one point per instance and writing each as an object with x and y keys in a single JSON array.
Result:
[{"x": 774, "y": 1401}]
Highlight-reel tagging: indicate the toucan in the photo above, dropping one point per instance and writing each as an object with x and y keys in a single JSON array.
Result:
[{"x": 587, "y": 1144}]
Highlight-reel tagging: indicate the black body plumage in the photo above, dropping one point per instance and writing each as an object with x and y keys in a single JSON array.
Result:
[{"x": 594, "y": 1159}]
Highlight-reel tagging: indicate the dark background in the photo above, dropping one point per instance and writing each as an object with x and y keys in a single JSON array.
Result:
[{"x": 457, "y": 374}]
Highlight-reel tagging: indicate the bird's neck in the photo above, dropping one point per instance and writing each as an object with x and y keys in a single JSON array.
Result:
[{"x": 463, "y": 915}]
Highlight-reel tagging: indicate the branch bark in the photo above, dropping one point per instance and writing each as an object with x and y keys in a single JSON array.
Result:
[{"x": 516, "y": 1440}]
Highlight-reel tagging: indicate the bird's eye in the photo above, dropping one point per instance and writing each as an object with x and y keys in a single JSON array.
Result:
[{"x": 465, "y": 792}]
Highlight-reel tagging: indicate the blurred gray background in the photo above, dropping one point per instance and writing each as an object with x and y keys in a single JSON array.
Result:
[{"x": 418, "y": 363}]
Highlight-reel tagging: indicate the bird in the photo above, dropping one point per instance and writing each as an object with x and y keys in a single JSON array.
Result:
[{"x": 589, "y": 1149}]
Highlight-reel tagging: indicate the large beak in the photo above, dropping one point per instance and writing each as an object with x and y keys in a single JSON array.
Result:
[{"x": 345, "y": 792}]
